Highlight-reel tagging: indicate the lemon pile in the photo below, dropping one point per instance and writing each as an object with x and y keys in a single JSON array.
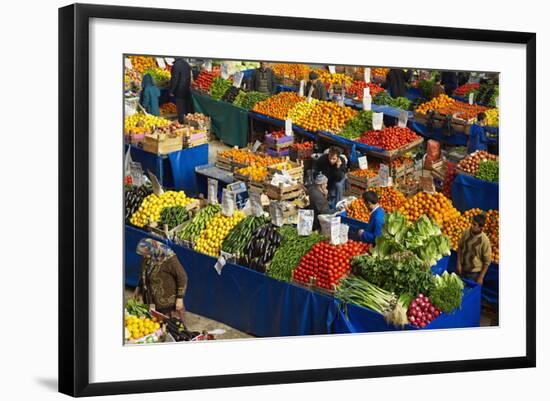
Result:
[
  {"x": 492, "y": 117},
  {"x": 146, "y": 121},
  {"x": 301, "y": 110},
  {"x": 152, "y": 206},
  {"x": 138, "y": 327},
  {"x": 211, "y": 239}
]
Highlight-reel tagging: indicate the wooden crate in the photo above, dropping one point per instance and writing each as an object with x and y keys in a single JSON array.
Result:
[
  {"x": 296, "y": 171},
  {"x": 255, "y": 186},
  {"x": 362, "y": 182},
  {"x": 161, "y": 144},
  {"x": 284, "y": 193}
]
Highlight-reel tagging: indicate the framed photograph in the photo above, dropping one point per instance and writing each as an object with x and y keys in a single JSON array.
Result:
[{"x": 252, "y": 199}]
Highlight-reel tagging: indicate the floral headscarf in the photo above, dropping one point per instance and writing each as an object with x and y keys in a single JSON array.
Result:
[{"x": 158, "y": 251}]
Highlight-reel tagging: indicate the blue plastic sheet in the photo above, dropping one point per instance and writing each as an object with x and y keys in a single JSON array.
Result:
[
  {"x": 469, "y": 193},
  {"x": 183, "y": 165},
  {"x": 457, "y": 138},
  {"x": 156, "y": 164}
]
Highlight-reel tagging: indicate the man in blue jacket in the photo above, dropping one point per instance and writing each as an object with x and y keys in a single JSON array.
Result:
[
  {"x": 478, "y": 139},
  {"x": 376, "y": 220}
]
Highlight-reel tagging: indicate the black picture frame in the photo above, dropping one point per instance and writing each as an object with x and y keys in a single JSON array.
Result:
[{"x": 74, "y": 198}]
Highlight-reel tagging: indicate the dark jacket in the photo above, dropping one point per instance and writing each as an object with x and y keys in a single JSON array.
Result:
[
  {"x": 333, "y": 173},
  {"x": 449, "y": 79},
  {"x": 319, "y": 90},
  {"x": 149, "y": 95},
  {"x": 180, "y": 79},
  {"x": 396, "y": 81},
  {"x": 256, "y": 80},
  {"x": 318, "y": 202}
]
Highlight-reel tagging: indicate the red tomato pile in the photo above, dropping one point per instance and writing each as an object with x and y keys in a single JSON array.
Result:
[
  {"x": 328, "y": 263},
  {"x": 356, "y": 89},
  {"x": 462, "y": 90},
  {"x": 277, "y": 134},
  {"x": 389, "y": 138},
  {"x": 303, "y": 146},
  {"x": 204, "y": 80}
]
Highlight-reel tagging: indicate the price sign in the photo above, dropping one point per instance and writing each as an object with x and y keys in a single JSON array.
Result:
[
  {"x": 208, "y": 65},
  {"x": 366, "y": 92},
  {"x": 220, "y": 264},
  {"x": 471, "y": 98},
  {"x": 160, "y": 62},
  {"x": 332, "y": 69},
  {"x": 377, "y": 120},
  {"x": 256, "y": 203},
  {"x": 288, "y": 127},
  {"x": 276, "y": 213},
  {"x": 305, "y": 221},
  {"x": 309, "y": 94},
  {"x": 384, "y": 175},
  {"x": 367, "y": 103},
  {"x": 238, "y": 79},
  {"x": 229, "y": 257},
  {"x": 228, "y": 203},
  {"x": 403, "y": 118},
  {"x": 127, "y": 63},
  {"x": 363, "y": 163},
  {"x": 367, "y": 74},
  {"x": 340, "y": 100},
  {"x": 256, "y": 146},
  {"x": 302, "y": 88},
  {"x": 169, "y": 60},
  {"x": 212, "y": 191},
  {"x": 224, "y": 71},
  {"x": 335, "y": 223},
  {"x": 497, "y": 101}
]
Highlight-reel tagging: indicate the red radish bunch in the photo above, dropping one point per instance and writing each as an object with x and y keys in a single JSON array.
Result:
[
  {"x": 421, "y": 312},
  {"x": 357, "y": 88},
  {"x": 389, "y": 138},
  {"x": 204, "y": 80},
  {"x": 326, "y": 264}
]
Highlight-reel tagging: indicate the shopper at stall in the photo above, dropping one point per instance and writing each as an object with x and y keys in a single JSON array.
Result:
[
  {"x": 319, "y": 89},
  {"x": 474, "y": 252},
  {"x": 333, "y": 165},
  {"x": 149, "y": 95},
  {"x": 437, "y": 88},
  {"x": 478, "y": 138},
  {"x": 163, "y": 281},
  {"x": 180, "y": 87},
  {"x": 396, "y": 82},
  {"x": 318, "y": 201},
  {"x": 449, "y": 79},
  {"x": 263, "y": 79},
  {"x": 376, "y": 219}
]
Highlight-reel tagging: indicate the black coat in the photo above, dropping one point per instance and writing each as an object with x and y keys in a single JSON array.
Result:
[
  {"x": 256, "y": 78},
  {"x": 180, "y": 79},
  {"x": 334, "y": 174},
  {"x": 319, "y": 204},
  {"x": 319, "y": 90},
  {"x": 396, "y": 81},
  {"x": 449, "y": 79}
]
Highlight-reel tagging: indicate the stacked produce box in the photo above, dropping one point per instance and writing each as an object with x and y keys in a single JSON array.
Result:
[{"x": 278, "y": 144}]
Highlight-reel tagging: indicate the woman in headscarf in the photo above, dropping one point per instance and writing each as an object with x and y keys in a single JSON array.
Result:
[
  {"x": 163, "y": 280},
  {"x": 149, "y": 95}
]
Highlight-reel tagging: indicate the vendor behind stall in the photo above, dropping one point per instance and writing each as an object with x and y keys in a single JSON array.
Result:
[
  {"x": 376, "y": 220},
  {"x": 474, "y": 253},
  {"x": 319, "y": 89},
  {"x": 318, "y": 201},
  {"x": 163, "y": 280},
  {"x": 396, "y": 82},
  {"x": 478, "y": 139},
  {"x": 333, "y": 165},
  {"x": 149, "y": 95},
  {"x": 437, "y": 88},
  {"x": 263, "y": 79},
  {"x": 180, "y": 87}
]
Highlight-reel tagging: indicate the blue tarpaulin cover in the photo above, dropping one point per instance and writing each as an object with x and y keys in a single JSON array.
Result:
[
  {"x": 183, "y": 165},
  {"x": 252, "y": 302},
  {"x": 469, "y": 193},
  {"x": 457, "y": 138}
]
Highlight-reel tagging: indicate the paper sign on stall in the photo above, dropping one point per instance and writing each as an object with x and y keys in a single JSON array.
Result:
[
  {"x": 212, "y": 191},
  {"x": 367, "y": 103},
  {"x": 302, "y": 88},
  {"x": 208, "y": 65},
  {"x": 335, "y": 223},
  {"x": 340, "y": 101},
  {"x": 256, "y": 146},
  {"x": 332, "y": 69},
  {"x": 169, "y": 60},
  {"x": 276, "y": 213},
  {"x": 228, "y": 203},
  {"x": 384, "y": 175},
  {"x": 256, "y": 203},
  {"x": 288, "y": 127},
  {"x": 224, "y": 71},
  {"x": 367, "y": 74},
  {"x": 127, "y": 63},
  {"x": 238, "y": 79},
  {"x": 363, "y": 163},
  {"x": 229, "y": 257},
  {"x": 309, "y": 94},
  {"x": 471, "y": 98},
  {"x": 366, "y": 92},
  {"x": 403, "y": 118},
  {"x": 220, "y": 263},
  {"x": 305, "y": 221},
  {"x": 160, "y": 62},
  {"x": 377, "y": 120}
]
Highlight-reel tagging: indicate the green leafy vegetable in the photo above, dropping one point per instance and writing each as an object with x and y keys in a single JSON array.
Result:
[
  {"x": 362, "y": 122},
  {"x": 447, "y": 293}
]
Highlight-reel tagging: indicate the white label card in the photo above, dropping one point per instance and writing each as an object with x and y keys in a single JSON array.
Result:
[
  {"x": 160, "y": 62},
  {"x": 377, "y": 120},
  {"x": 366, "y": 92},
  {"x": 169, "y": 60},
  {"x": 367, "y": 74},
  {"x": 332, "y": 69},
  {"x": 363, "y": 163},
  {"x": 384, "y": 174},
  {"x": 288, "y": 127},
  {"x": 302, "y": 88},
  {"x": 208, "y": 66},
  {"x": 220, "y": 263},
  {"x": 228, "y": 203},
  {"x": 471, "y": 98},
  {"x": 403, "y": 118},
  {"x": 238, "y": 79},
  {"x": 212, "y": 191},
  {"x": 256, "y": 146},
  {"x": 305, "y": 222},
  {"x": 256, "y": 203},
  {"x": 367, "y": 103},
  {"x": 127, "y": 63}
]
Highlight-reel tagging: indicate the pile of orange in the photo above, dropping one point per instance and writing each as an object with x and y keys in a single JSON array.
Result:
[
  {"x": 367, "y": 173},
  {"x": 142, "y": 63},
  {"x": 167, "y": 108},
  {"x": 437, "y": 103},
  {"x": 334, "y": 79},
  {"x": 277, "y": 106},
  {"x": 358, "y": 210},
  {"x": 254, "y": 173},
  {"x": 454, "y": 229},
  {"x": 462, "y": 110},
  {"x": 391, "y": 199},
  {"x": 381, "y": 72},
  {"x": 293, "y": 71},
  {"x": 248, "y": 158},
  {"x": 492, "y": 230},
  {"x": 326, "y": 116},
  {"x": 436, "y": 206}
]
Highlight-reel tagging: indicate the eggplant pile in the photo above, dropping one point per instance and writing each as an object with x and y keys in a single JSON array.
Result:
[
  {"x": 177, "y": 330},
  {"x": 261, "y": 248},
  {"x": 133, "y": 198}
]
